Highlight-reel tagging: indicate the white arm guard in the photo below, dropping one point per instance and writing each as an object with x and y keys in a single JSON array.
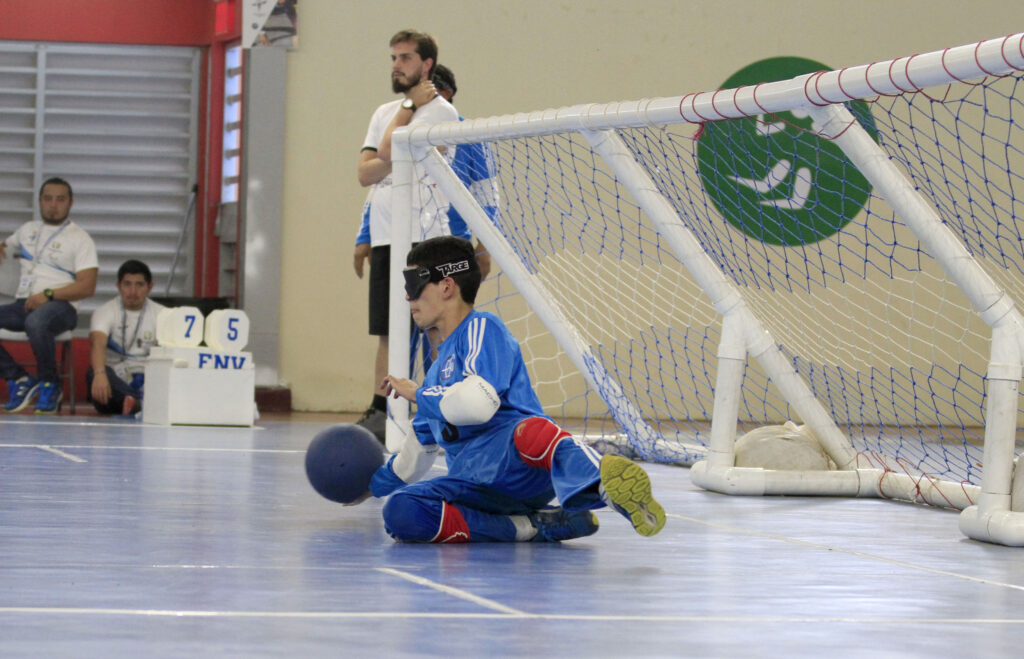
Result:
[
  {"x": 470, "y": 402},
  {"x": 414, "y": 460}
]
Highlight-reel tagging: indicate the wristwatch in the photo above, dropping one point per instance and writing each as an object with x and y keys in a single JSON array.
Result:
[
  {"x": 409, "y": 105},
  {"x": 49, "y": 294}
]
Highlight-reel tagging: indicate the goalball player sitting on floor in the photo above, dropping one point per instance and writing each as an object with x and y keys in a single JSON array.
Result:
[{"x": 506, "y": 459}]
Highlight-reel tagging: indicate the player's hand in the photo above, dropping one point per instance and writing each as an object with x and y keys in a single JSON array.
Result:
[
  {"x": 423, "y": 93},
  {"x": 359, "y": 256},
  {"x": 399, "y": 388},
  {"x": 366, "y": 495},
  {"x": 100, "y": 388},
  {"x": 33, "y": 302}
]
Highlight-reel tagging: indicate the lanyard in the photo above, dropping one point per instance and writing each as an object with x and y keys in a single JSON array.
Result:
[
  {"x": 39, "y": 253},
  {"x": 124, "y": 326}
]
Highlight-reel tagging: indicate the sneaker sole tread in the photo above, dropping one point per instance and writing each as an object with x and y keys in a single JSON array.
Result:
[{"x": 629, "y": 488}]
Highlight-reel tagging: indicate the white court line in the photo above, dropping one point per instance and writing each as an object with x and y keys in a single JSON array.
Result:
[
  {"x": 199, "y": 449},
  {"x": 202, "y": 449},
  {"x": 55, "y": 451},
  {"x": 462, "y": 594},
  {"x": 391, "y": 615},
  {"x": 126, "y": 424},
  {"x": 850, "y": 552}
]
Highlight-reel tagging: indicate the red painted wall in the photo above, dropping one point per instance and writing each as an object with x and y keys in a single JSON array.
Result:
[{"x": 154, "y": 22}]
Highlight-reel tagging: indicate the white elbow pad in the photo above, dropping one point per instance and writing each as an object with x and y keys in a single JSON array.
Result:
[{"x": 470, "y": 402}]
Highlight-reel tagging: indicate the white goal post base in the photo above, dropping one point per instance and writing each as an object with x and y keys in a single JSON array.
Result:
[
  {"x": 1004, "y": 527},
  {"x": 865, "y": 482},
  {"x": 998, "y": 525},
  {"x": 998, "y": 517}
]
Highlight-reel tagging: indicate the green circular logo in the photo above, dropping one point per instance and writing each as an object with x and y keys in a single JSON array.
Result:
[{"x": 771, "y": 176}]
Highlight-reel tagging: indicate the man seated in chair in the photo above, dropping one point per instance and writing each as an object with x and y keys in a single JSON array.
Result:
[
  {"x": 58, "y": 268},
  {"x": 120, "y": 335}
]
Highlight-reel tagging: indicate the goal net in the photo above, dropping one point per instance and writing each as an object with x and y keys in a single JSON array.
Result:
[{"x": 836, "y": 258}]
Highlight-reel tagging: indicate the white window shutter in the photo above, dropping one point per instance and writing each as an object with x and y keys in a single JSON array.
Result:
[{"x": 120, "y": 124}]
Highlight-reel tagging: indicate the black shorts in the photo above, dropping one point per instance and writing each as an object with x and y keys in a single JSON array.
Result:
[{"x": 380, "y": 267}]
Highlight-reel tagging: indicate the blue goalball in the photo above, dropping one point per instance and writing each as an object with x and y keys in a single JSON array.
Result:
[{"x": 341, "y": 460}]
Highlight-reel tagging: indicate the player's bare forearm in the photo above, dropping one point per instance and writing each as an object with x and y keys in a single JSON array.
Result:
[
  {"x": 98, "y": 351},
  {"x": 84, "y": 286},
  {"x": 359, "y": 257},
  {"x": 98, "y": 360},
  {"x": 372, "y": 169}
]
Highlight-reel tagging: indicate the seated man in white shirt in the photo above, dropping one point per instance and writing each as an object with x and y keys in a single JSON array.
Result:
[
  {"x": 58, "y": 267},
  {"x": 120, "y": 335}
]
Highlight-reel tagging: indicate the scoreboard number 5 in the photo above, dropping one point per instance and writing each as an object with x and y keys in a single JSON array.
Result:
[{"x": 224, "y": 330}]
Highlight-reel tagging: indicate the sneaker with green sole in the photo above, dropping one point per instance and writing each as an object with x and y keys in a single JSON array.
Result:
[{"x": 626, "y": 487}]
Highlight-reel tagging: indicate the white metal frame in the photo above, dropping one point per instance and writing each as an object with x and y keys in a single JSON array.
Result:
[{"x": 820, "y": 94}]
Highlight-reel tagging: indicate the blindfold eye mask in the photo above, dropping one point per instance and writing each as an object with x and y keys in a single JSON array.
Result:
[{"x": 417, "y": 277}]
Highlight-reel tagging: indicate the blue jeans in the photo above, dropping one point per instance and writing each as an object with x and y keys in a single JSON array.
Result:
[
  {"x": 42, "y": 326},
  {"x": 119, "y": 390}
]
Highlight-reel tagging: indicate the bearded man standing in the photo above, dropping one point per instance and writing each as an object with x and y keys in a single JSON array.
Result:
[{"x": 413, "y": 58}]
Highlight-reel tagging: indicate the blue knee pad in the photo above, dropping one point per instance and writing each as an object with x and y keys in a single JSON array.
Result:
[{"x": 409, "y": 518}]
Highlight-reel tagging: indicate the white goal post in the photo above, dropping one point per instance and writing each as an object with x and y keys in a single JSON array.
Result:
[{"x": 867, "y": 292}]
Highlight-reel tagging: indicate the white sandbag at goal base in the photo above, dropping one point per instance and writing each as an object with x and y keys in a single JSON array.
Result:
[
  {"x": 667, "y": 211},
  {"x": 189, "y": 384}
]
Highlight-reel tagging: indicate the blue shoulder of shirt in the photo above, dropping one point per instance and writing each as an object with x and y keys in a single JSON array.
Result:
[{"x": 364, "y": 227}]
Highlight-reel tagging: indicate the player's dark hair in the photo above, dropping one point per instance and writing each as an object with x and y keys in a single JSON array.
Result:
[
  {"x": 446, "y": 249},
  {"x": 56, "y": 180},
  {"x": 134, "y": 267},
  {"x": 444, "y": 79},
  {"x": 426, "y": 46}
]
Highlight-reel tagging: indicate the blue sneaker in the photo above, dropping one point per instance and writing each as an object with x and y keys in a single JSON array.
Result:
[
  {"x": 22, "y": 391},
  {"x": 626, "y": 487},
  {"x": 49, "y": 398},
  {"x": 556, "y": 524}
]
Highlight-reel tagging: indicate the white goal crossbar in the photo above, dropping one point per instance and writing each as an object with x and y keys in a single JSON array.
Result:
[{"x": 987, "y": 512}]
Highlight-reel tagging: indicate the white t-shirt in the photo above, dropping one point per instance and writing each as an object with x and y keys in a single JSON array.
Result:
[
  {"x": 130, "y": 334},
  {"x": 427, "y": 197},
  {"x": 65, "y": 250}
]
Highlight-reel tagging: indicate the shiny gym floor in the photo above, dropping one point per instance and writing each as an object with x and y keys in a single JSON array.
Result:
[{"x": 124, "y": 540}]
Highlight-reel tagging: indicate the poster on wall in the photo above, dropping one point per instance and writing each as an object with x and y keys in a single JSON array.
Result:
[{"x": 270, "y": 23}]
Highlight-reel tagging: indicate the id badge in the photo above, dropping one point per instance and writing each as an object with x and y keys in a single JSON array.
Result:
[{"x": 25, "y": 286}]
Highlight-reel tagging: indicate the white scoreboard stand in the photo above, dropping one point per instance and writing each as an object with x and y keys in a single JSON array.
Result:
[{"x": 190, "y": 384}]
